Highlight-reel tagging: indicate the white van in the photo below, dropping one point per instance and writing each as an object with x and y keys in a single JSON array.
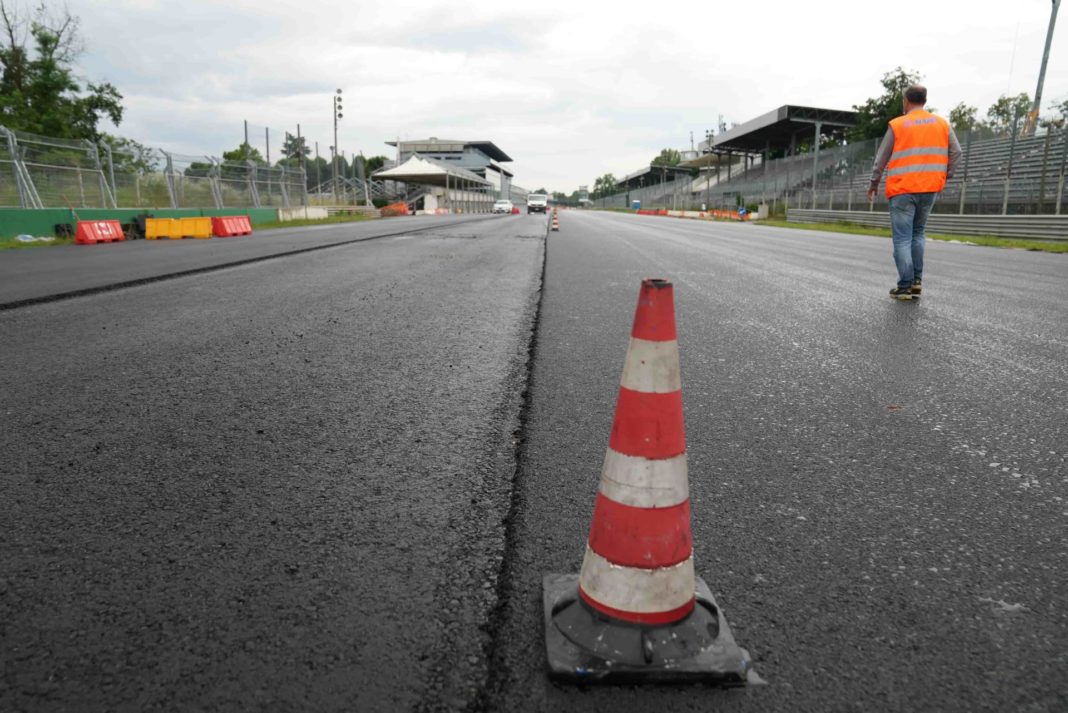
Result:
[{"x": 537, "y": 203}]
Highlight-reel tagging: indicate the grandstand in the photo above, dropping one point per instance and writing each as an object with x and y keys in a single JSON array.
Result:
[{"x": 760, "y": 162}]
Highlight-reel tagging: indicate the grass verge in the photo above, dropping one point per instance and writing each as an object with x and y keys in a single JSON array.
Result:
[
  {"x": 12, "y": 244},
  {"x": 985, "y": 240}
]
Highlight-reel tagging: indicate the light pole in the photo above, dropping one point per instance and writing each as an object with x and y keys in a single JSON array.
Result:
[
  {"x": 1032, "y": 117},
  {"x": 337, "y": 115}
]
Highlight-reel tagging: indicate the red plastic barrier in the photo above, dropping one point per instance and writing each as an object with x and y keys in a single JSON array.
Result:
[
  {"x": 91, "y": 232},
  {"x": 230, "y": 226},
  {"x": 395, "y": 209}
]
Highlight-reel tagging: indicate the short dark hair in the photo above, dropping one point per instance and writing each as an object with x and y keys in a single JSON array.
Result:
[{"x": 916, "y": 94}]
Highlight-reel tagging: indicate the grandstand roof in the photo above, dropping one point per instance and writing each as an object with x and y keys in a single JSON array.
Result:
[
  {"x": 427, "y": 172},
  {"x": 660, "y": 172},
  {"x": 779, "y": 127},
  {"x": 434, "y": 144}
]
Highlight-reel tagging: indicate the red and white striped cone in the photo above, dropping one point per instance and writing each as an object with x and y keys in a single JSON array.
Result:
[
  {"x": 556, "y": 221},
  {"x": 637, "y": 611}
]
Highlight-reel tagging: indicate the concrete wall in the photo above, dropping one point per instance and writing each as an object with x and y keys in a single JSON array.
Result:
[{"x": 303, "y": 213}]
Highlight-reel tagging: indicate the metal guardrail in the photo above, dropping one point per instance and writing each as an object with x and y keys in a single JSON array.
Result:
[{"x": 1038, "y": 227}]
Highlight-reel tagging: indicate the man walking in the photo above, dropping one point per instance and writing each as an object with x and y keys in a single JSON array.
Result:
[{"x": 919, "y": 153}]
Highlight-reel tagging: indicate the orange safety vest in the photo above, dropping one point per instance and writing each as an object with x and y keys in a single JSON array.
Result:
[{"x": 921, "y": 154}]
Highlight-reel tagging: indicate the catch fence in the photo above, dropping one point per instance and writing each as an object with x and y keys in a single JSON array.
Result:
[{"x": 45, "y": 172}]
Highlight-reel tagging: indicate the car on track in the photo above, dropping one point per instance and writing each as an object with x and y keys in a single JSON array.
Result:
[
  {"x": 503, "y": 206},
  {"x": 537, "y": 203}
]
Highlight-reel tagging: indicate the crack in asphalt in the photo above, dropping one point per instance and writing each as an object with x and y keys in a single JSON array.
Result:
[{"x": 494, "y": 650}]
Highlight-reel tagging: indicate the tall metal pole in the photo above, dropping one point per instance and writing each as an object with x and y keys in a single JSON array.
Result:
[
  {"x": 964, "y": 180},
  {"x": 1064, "y": 164},
  {"x": 246, "y": 132},
  {"x": 1032, "y": 117},
  {"x": 816, "y": 161},
  {"x": 1008, "y": 170},
  {"x": 318, "y": 172},
  {"x": 337, "y": 115}
]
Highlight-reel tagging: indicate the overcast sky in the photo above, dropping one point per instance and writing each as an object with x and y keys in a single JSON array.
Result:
[{"x": 570, "y": 90}]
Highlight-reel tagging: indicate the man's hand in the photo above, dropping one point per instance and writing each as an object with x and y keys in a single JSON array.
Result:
[{"x": 871, "y": 195}]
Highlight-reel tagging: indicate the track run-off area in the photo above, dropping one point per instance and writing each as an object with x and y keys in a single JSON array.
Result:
[{"x": 327, "y": 468}]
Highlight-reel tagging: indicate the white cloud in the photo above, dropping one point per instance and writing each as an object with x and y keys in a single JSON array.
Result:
[{"x": 569, "y": 90}]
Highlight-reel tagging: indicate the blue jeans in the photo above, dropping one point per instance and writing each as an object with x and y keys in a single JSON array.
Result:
[{"x": 908, "y": 218}]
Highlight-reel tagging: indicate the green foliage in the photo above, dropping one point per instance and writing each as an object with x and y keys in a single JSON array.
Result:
[
  {"x": 129, "y": 156},
  {"x": 604, "y": 186},
  {"x": 374, "y": 163},
  {"x": 38, "y": 90},
  {"x": 295, "y": 147},
  {"x": 242, "y": 153},
  {"x": 963, "y": 118},
  {"x": 874, "y": 115},
  {"x": 667, "y": 157},
  {"x": 1007, "y": 111},
  {"x": 318, "y": 170}
]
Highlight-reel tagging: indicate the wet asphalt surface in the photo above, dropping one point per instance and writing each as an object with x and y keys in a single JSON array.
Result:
[
  {"x": 334, "y": 481},
  {"x": 880, "y": 489},
  {"x": 39, "y": 274},
  {"x": 279, "y": 486}
]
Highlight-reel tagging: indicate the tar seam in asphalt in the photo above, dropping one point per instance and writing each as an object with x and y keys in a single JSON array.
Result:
[
  {"x": 483, "y": 702},
  {"x": 211, "y": 268}
]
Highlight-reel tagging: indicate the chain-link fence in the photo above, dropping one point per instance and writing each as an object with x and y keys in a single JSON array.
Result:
[{"x": 43, "y": 172}]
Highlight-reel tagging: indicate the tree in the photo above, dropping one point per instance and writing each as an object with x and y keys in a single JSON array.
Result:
[
  {"x": 874, "y": 115},
  {"x": 129, "y": 156},
  {"x": 1007, "y": 111},
  {"x": 38, "y": 91},
  {"x": 243, "y": 153},
  {"x": 963, "y": 118},
  {"x": 604, "y": 186},
  {"x": 374, "y": 163},
  {"x": 295, "y": 147},
  {"x": 667, "y": 157}
]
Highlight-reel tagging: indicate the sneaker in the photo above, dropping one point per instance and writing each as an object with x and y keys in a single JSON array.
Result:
[
  {"x": 917, "y": 287},
  {"x": 901, "y": 293}
]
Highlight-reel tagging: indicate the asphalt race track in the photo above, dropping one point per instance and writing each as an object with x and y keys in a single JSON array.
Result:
[{"x": 334, "y": 479}]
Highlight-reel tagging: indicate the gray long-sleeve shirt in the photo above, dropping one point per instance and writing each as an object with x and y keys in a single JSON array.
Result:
[{"x": 886, "y": 150}]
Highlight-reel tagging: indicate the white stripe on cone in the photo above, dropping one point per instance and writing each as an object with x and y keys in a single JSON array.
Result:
[
  {"x": 632, "y": 589},
  {"x": 652, "y": 367},
  {"x": 644, "y": 483}
]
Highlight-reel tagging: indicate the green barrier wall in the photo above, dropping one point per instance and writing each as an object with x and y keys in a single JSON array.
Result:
[{"x": 16, "y": 221}]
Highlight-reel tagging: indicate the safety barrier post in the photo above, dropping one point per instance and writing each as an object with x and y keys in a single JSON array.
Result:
[
  {"x": 1064, "y": 163},
  {"x": 168, "y": 176},
  {"x": 253, "y": 191}
]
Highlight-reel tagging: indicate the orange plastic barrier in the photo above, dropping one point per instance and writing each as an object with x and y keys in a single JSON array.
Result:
[
  {"x": 395, "y": 209},
  {"x": 231, "y": 226},
  {"x": 91, "y": 232},
  {"x": 156, "y": 228},
  {"x": 199, "y": 228}
]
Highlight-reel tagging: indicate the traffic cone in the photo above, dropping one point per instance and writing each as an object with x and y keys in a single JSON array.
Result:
[
  {"x": 637, "y": 611},
  {"x": 556, "y": 221}
]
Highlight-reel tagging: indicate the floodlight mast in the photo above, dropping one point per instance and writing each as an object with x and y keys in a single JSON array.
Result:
[
  {"x": 1032, "y": 117},
  {"x": 337, "y": 115}
]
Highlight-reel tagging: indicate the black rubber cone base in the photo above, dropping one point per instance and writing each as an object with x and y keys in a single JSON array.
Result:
[{"x": 585, "y": 646}]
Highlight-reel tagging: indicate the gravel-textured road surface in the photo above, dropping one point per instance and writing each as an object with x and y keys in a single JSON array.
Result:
[
  {"x": 294, "y": 484},
  {"x": 37, "y": 274},
  {"x": 279, "y": 486},
  {"x": 880, "y": 489}
]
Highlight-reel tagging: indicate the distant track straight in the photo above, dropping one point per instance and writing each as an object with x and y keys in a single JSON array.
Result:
[{"x": 48, "y": 274}]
